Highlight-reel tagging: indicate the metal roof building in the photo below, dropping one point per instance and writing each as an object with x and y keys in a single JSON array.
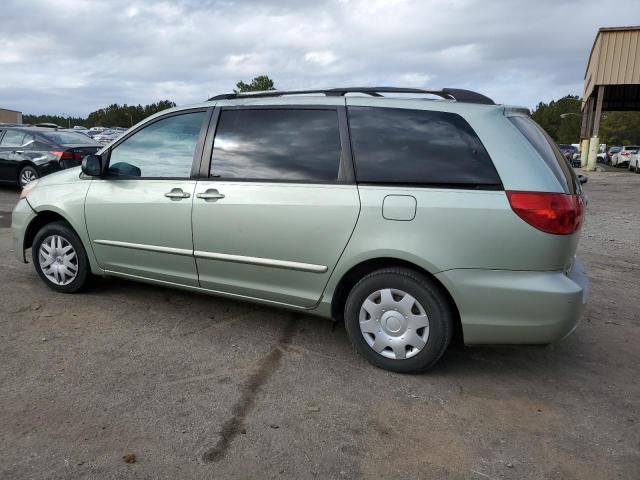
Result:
[
  {"x": 611, "y": 79},
  {"x": 612, "y": 76}
]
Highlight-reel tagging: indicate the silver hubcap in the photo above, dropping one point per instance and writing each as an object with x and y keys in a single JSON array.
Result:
[
  {"x": 58, "y": 260},
  {"x": 27, "y": 176},
  {"x": 394, "y": 323}
]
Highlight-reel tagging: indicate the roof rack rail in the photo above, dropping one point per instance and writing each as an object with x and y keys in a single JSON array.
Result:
[{"x": 457, "y": 94}]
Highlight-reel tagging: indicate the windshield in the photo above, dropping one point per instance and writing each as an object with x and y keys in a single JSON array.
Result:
[{"x": 66, "y": 138}]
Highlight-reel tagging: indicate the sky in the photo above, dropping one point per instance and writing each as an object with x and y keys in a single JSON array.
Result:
[{"x": 71, "y": 57}]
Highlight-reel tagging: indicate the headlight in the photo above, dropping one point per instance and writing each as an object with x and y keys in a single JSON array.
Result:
[{"x": 27, "y": 188}]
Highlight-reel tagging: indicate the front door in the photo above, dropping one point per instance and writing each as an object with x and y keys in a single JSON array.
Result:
[
  {"x": 139, "y": 215},
  {"x": 279, "y": 206}
]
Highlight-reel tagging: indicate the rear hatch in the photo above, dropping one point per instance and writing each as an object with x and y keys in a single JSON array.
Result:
[{"x": 558, "y": 214}]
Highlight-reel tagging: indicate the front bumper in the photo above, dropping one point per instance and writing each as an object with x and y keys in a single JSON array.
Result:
[
  {"x": 21, "y": 217},
  {"x": 518, "y": 307}
]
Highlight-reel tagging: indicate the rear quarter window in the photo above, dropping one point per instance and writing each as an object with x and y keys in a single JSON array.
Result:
[
  {"x": 548, "y": 150},
  {"x": 418, "y": 147}
]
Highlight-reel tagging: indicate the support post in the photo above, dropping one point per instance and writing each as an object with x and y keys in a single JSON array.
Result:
[
  {"x": 594, "y": 143},
  {"x": 584, "y": 134}
]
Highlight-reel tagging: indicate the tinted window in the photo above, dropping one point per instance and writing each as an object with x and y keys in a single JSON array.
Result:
[
  {"x": 15, "y": 138},
  {"x": 549, "y": 152},
  {"x": 163, "y": 149},
  {"x": 417, "y": 147},
  {"x": 66, "y": 138},
  {"x": 279, "y": 144}
]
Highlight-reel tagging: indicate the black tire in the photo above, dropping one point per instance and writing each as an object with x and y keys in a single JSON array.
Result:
[
  {"x": 430, "y": 297},
  {"x": 638, "y": 166},
  {"x": 27, "y": 169},
  {"x": 83, "y": 274}
]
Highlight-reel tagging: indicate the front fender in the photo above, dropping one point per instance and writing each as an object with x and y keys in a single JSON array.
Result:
[
  {"x": 21, "y": 218},
  {"x": 67, "y": 201}
]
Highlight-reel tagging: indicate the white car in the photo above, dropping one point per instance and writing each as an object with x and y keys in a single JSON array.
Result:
[
  {"x": 634, "y": 162},
  {"x": 623, "y": 157}
]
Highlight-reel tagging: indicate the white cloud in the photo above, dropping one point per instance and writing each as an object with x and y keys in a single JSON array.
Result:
[
  {"x": 323, "y": 58},
  {"x": 78, "y": 55}
]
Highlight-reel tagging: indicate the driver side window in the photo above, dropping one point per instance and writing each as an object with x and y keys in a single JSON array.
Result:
[{"x": 163, "y": 149}]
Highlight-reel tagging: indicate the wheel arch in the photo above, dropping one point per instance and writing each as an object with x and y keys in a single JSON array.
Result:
[
  {"x": 42, "y": 218},
  {"x": 349, "y": 279}
]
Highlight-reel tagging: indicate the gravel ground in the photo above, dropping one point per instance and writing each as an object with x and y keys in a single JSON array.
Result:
[{"x": 133, "y": 381}]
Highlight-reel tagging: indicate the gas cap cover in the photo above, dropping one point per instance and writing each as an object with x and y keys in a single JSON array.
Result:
[{"x": 399, "y": 207}]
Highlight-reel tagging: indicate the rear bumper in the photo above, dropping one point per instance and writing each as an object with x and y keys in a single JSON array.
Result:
[
  {"x": 518, "y": 307},
  {"x": 20, "y": 220}
]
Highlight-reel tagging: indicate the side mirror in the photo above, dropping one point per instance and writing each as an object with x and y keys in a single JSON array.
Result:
[
  {"x": 92, "y": 165},
  {"x": 582, "y": 179}
]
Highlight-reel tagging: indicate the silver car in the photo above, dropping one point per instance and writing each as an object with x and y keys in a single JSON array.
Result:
[{"x": 412, "y": 220}]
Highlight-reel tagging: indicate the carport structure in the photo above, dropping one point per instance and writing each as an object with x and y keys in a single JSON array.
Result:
[{"x": 611, "y": 83}]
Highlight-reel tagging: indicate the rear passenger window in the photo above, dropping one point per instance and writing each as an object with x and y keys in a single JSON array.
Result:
[
  {"x": 277, "y": 144},
  {"x": 403, "y": 146},
  {"x": 15, "y": 138}
]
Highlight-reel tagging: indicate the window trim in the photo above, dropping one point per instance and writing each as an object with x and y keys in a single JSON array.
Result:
[
  {"x": 346, "y": 174},
  {"x": 197, "y": 154}
]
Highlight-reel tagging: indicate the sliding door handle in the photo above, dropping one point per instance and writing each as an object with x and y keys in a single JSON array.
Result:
[{"x": 210, "y": 194}]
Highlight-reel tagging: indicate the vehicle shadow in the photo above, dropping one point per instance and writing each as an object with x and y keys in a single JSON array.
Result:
[{"x": 314, "y": 334}]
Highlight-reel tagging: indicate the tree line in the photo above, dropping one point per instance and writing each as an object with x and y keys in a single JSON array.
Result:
[
  {"x": 116, "y": 115},
  {"x": 112, "y": 116},
  {"x": 616, "y": 128}
]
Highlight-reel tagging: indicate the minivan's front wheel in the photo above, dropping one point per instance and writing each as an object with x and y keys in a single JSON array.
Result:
[
  {"x": 399, "y": 320},
  {"x": 59, "y": 258}
]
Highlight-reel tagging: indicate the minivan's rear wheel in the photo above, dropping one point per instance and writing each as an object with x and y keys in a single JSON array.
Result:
[
  {"x": 27, "y": 175},
  {"x": 399, "y": 320},
  {"x": 59, "y": 258}
]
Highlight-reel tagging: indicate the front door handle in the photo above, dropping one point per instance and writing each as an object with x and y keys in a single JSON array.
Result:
[
  {"x": 210, "y": 194},
  {"x": 177, "y": 194}
]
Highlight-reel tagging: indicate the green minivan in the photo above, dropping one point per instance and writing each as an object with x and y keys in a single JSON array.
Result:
[{"x": 411, "y": 218}]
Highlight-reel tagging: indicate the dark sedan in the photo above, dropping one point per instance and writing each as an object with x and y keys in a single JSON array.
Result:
[{"x": 27, "y": 153}]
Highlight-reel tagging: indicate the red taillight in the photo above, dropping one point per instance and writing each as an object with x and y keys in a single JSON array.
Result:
[
  {"x": 556, "y": 213},
  {"x": 625, "y": 154},
  {"x": 66, "y": 155}
]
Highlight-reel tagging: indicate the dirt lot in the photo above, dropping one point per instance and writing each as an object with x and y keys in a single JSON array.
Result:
[{"x": 199, "y": 387}]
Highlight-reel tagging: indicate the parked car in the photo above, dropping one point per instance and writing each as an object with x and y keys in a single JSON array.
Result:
[
  {"x": 571, "y": 154},
  {"x": 623, "y": 156},
  {"x": 634, "y": 163},
  {"x": 610, "y": 152},
  {"x": 408, "y": 219},
  {"x": 47, "y": 125},
  {"x": 28, "y": 153},
  {"x": 75, "y": 130},
  {"x": 80, "y": 127},
  {"x": 93, "y": 131},
  {"x": 107, "y": 136}
]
